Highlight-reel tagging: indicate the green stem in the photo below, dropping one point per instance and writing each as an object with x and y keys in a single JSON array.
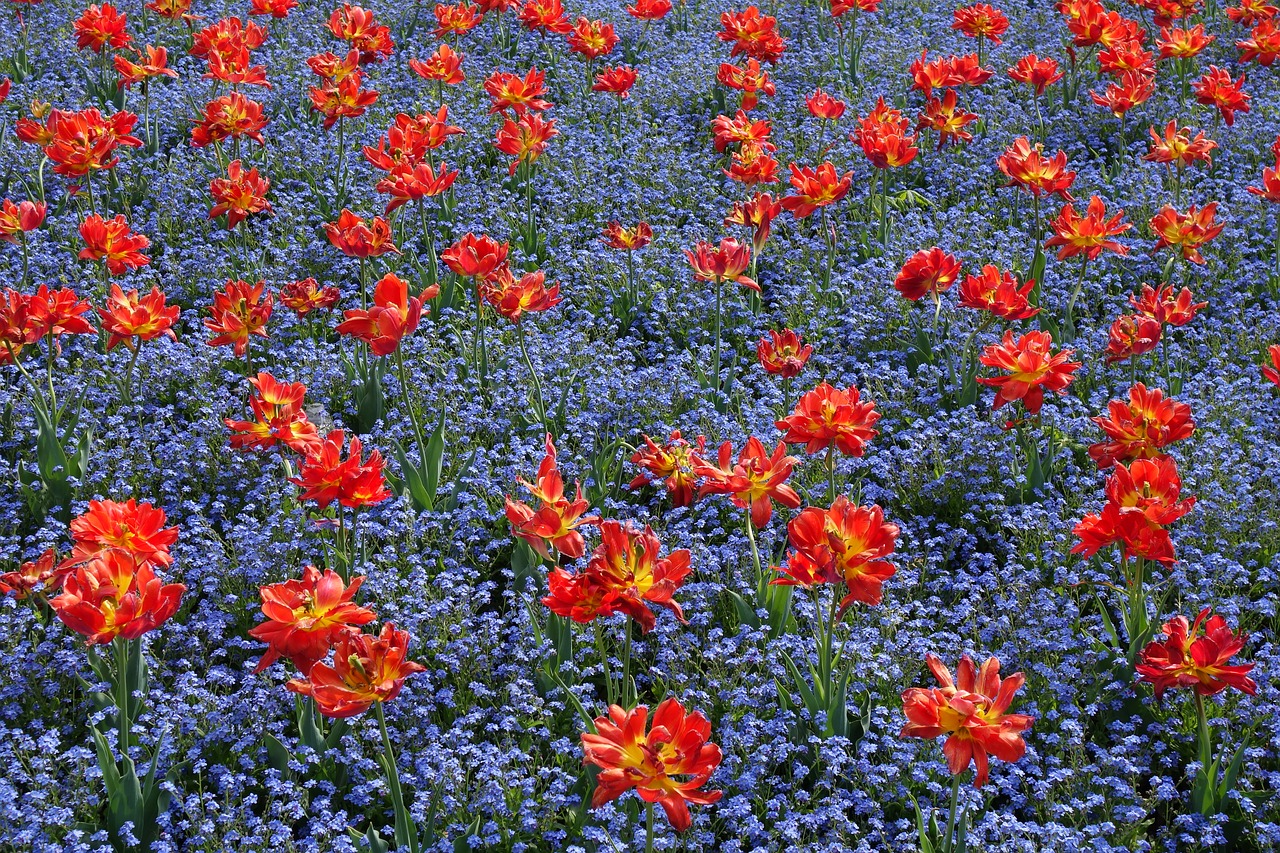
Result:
[
  {"x": 128, "y": 372},
  {"x": 1075, "y": 294},
  {"x": 408, "y": 404},
  {"x": 25, "y": 261},
  {"x": 831, "y": 473},
  {"x": 122, "y": 695},
  {"x": 406, "y": 837},
  {"x": 1205, "y": 734},
  {"x": 610, "y": 694},
  {"x": 628, "y": 700},
  {"x": 715, "y": 379},
  {"x": 648, "y": 828},
  {"x": 884, "y": 206},
  {"x": 343, "y": 560},
  {"x": 479, "y": 354},
  {"x": 949, "y": 843},
  {"x": 755, "y": 550},
  {"x": 541, "y": 407}
]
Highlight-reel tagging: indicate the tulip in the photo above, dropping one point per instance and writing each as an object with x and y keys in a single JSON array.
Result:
[{"x": 667, "y": 764}]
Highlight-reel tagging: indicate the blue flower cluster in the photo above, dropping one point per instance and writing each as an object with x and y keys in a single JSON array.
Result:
[{"x": 489, "y": 748}]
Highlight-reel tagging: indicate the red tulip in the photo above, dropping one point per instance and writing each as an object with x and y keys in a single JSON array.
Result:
[
  {"x": 1186, "y": 232},
  {"x": 443, "y": 66},
  {"x": 592, "y": 39},
  {"x": 37, "y": 575},
  {"x": 456, "y": 19},
  {"x": 366, "y": 668},
  {"x": 1189, "y": 658},
  {"x": 981, "y": 21},
  {"x": 239, "y": 195},
  {"x": 623, "y": 575},
  {"x": 1164, "y": 306},
  {"x": 928, "y": 271},
  {"x": 665, "y": 765},
  {"x": 999, "y": 293},
  {"x": 783, "y": 353},
  {"x": 754, "y": 481},
  {"x": 100, "y": 27},
  {"x": 326, "y": 477},
  {"x": 554, "y": 523},
  {"x": 154, "y": 62},
  {"x": 79, "y": 144},
  {"x": 356, "y": 239},
  {"x": 545, "y": 15},
  {"x": 129, "y": 316},
  {"x": 476, "y": 257},
  {"x": 827, "y": 416},
  {"x": 972, "y": 711},
  {"x": 111, "y": 596},
  {"x": 393, "y": 315},
  {"x": 111, "y": 241},
  {"x": 615, "y": 236},
  {"x": 1132, "y": 335},
  {"x": 1035, "y": 72},
  {"x": 752, "y": 34},
  {"x": 307, "y": 616},
  {"x": 1216, "y": 89},
  {"x": 306, "y": 295},
  {"x": 1141, "y": 428},
  {"x": 1176, "y": 147},
  {"x": 1088, "y": 235},
  {"x": 727, "y": 262},
  {"x": 239, "y": 310},
  {"x": 844, "y": 543},
  {"x": 518, "y": 94},
  {"x": 21, "y": 218},
  {"x": 1030, "y": 365},
  {"x": 815, "y": 188},
  {"x": 1028, "y": 168},
  {"x": 278, "y": 418},
  {"x": 525, "y": 140},
  {"x": 512, "y": 297},
  {"x": 136, "y": 529},
  {"x": 615, "y": 80},
  {"x": 229, "y": 117},
  {"x": 360, "y": 29},
  {"x": 672, "y": 463}
]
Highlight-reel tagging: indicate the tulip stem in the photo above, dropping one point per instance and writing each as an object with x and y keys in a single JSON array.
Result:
[
  {"x": 715, "y": 378},
  {"x": 22, "y": 238},
  {"x": 541, "y": 406},
  {"x": 406, "y": 836},
  {"x": 1071, "y": 303},
  {"x": 1205, "y": 734},
  {"x": 628, "y": 700},
  {"x": 408, "y": 404},
  {"x": 610, "y": 695},
  {"x": 949, "y": 845},
  {"x": 755, "y": 550},
  {"x": 831, "y": 473},
  {"x": 122, "y": 695},
  {"x": 648, "y": 828}
]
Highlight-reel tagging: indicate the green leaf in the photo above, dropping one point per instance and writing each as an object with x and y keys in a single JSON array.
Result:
[
  {"x": 106, "y": 763},
  {"x": 371, "y": 838},
  {"x": 746, "y": 614},
  {"x": 278, "y": 756},
  {"x": 308, "y": 731},
  {"x": 412, "y": 481},
  {"x": 336, "y": 731},
  {"x": 434, "y": 463},
  {"x": 807, "y": 695}
]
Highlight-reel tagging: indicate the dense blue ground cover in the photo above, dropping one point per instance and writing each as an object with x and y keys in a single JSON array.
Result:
[{"x": 492, "y": 754}]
